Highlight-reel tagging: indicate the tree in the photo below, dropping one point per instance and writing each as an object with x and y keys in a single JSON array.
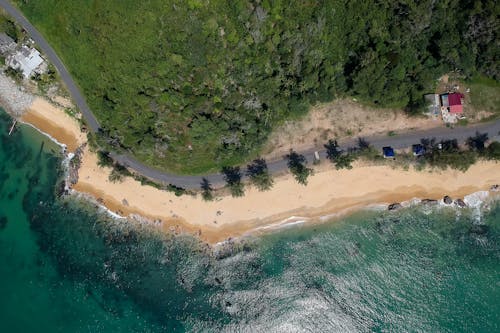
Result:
[
  {"x": 297, "y": 165},
  {"x": 363, "y": 144},
  {"x": 477, "y": 142},
  {"x": 232, "y": 176},
  {"x": 115, "y": 176},
  {"x": 340, "y": 158},
  {"x": 428, "y": 144},
  {"x": 118, "y": 173},
  {"x": 332, "y": 150},
  {"x": 104, "y": 159},
  {"x": 259, "y": 175},
  {"x": 449, "y": 145},
  {"x": 206, "y": 190},
  {"x": 446, "y": 154},
  {"x": 493, "y": 151},
  {"x": 344, "y": 161}
]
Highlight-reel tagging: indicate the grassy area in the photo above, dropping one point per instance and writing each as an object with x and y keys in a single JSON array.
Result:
[
  {"x": 485, "y": 94},
  {"x": 191, "y": 86},
  {"x": 10, "y": 28}
]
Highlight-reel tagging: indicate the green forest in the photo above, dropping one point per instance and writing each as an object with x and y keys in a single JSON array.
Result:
[{"x": 190, "y": 86}]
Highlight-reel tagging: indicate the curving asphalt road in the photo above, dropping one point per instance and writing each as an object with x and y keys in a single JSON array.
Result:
[{"x": 403, "y": 140}]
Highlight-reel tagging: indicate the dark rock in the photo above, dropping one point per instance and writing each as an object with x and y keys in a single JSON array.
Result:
[
  {"x": 3, "y": 222},
  {"x": 429, "y": 202},
  {"x": 394, "y": 206},
  {"x": 460, "y": 203},
  {"x": 479, "y": 229},
  {"x": 495, "y": 188},
  {"x": 447, "y": 200}
]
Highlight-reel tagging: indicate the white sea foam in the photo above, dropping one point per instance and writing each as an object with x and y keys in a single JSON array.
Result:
[
  {"x": 288, "y": 222},
  {"x": 62, "y": 145},
  {"x": 97, "y": 203},
  {"x": 475, "y": 201}
]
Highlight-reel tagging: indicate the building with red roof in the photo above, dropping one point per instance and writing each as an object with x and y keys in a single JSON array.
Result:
[{"x": 453, "y": 102}]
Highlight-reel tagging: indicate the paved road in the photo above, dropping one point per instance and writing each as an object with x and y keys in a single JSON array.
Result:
[
  {"x": 192, "y": 182},
  {"x": 401, "y": 141}
]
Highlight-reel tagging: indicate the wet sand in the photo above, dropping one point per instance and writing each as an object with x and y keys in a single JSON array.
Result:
[{"x": 55, "y": 122}]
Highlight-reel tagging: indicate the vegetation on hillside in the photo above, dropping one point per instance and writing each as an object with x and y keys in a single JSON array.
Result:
[
  {"x": 191, "y": 86},
  {"x": 10, "y": 28},
  {"x": 485, "y": 94}
]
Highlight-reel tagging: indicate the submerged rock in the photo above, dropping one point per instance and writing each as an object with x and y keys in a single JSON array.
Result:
[
  {"x": 460, "y": 203},
  {"x": 394, "y": 206},
  {"x": 479, "y": 229},
  {"x": 3, "y": 222},
  {"x": 447, "y": 200}
]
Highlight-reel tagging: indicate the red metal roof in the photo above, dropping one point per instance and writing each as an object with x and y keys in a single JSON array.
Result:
[
  {"x": 456, "y": 109},
  {"x": 455, "y": 99}
]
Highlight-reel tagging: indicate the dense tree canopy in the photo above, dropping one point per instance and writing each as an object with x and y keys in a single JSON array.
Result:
[{"x": 194, "y": 85}]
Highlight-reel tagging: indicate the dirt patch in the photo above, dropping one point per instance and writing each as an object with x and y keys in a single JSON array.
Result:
[
  {"x": 340, "y": 119},
  {"x": 62, "y": 102}
]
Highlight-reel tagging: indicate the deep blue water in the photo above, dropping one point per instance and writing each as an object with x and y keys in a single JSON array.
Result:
[{"x": 65, "y": 267}]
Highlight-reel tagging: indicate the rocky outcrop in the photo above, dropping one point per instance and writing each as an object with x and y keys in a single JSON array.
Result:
[
  {"x": 447, "y": 200},
  {"x": 429, "y": 202},
  {"x": 460, "y": 203},
  {"x": 74, "y": 166},
  {"x": 394, "y": 206},
  {"x": 15, "y": 99},
  {"x": 495, "y": 188}
]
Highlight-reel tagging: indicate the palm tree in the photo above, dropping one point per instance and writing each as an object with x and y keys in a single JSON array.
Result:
[
  {"x": 232, "y": 176},
  {"x": 297, "y": 165},
  {"x": 259, "y": 174},
  {"x": 207, "y": 190}
]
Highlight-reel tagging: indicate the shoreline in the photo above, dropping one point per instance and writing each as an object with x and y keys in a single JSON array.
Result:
[
  {"x": 258, "y": 212},
  {"x": 331, "y": 193}
]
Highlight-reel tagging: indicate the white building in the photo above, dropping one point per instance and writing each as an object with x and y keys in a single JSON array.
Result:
[{"x": 26, "y": 59}]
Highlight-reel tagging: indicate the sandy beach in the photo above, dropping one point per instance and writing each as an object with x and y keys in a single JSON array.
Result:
[
  {"x": 330, "y": 191},
  {"x": 54, "y": 121}
]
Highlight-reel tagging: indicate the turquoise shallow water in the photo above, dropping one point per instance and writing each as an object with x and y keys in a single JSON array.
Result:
[{"x": 64, "y": 267}]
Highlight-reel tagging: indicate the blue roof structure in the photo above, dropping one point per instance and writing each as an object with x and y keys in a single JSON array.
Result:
[
  {"x": 388, "y": 152},
  {"x": 418, "y": 150}
]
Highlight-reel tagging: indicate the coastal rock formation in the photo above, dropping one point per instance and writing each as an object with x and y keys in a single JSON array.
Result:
[
  {"x": 394, "y": 206},
  {"x": 460, "y": 203},
  {"x": 74, "y": 166},
  {"x": 495, "y": 188},
  {"x": 429, "y": 202},
  {"x": 15, "y": 99},
  {"x": 447, "y": 200}
]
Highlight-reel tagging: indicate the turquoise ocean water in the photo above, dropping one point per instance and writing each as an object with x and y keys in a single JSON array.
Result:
[{"x": 65, "y": 267}]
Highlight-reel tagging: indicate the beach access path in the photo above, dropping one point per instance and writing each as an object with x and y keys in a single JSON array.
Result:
[{"x": 399, "y": 141}]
